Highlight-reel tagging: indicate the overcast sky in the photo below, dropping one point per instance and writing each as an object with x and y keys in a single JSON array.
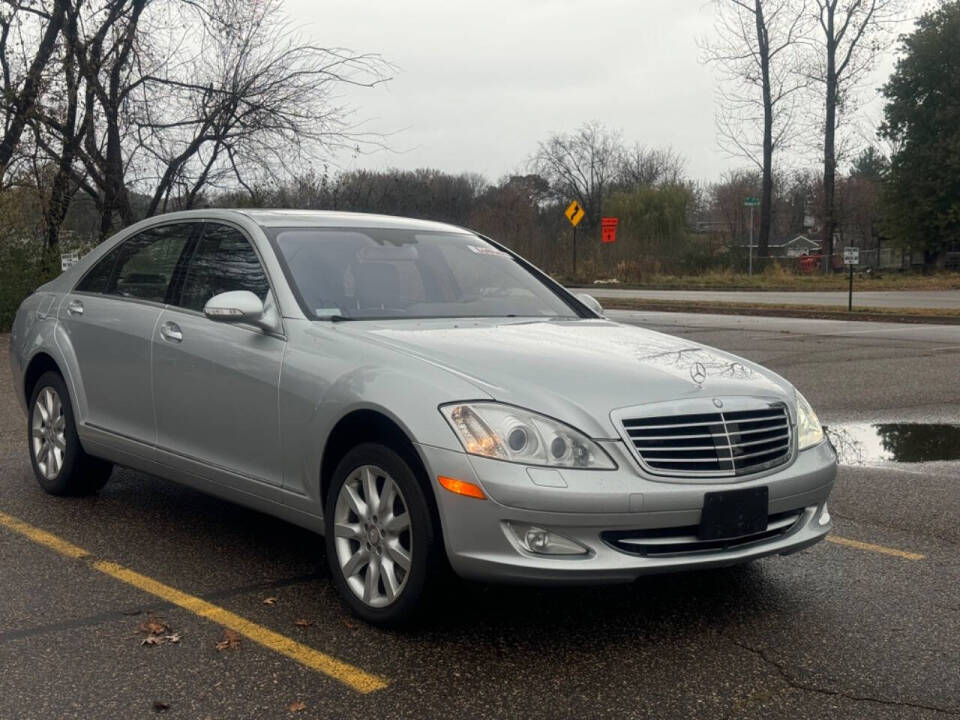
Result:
[{"x": 478, "y": 85}]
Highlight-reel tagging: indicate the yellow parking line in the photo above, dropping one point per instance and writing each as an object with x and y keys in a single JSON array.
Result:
[
  {"x": 874, "y": 548},
  {"x": 349, "y": 675}
]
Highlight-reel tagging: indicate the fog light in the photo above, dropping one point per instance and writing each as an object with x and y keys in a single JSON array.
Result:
[
  {"x": 544, "y": 542},
  {"x": 824, "y": 516}
]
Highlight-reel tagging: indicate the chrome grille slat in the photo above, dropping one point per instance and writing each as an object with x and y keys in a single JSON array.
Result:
[{"x": 741, "y": 441}]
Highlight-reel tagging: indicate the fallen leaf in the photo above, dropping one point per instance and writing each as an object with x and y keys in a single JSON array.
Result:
[
  {"x": 152, "y": 640},
  {"x": 231, "y": 640},
  {"x": 160, "y": 706},
  {"x": 349, "y": 623},
  {"x": 297, "y": 706},
  {"x": 172, "y": 637},
  {"x": 270, "y": 601},
  {"x": 153, "y": 626},
  {"x": 303, "y": 623}
]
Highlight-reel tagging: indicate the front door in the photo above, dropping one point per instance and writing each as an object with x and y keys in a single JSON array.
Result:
[{"x": 216, "y": 383}]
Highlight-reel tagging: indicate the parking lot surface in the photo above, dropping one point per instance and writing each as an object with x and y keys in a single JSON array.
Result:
[{"x": 246, "y": 625}]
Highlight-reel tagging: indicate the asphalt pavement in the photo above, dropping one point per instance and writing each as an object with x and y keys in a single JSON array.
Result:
[
  {"x": 942, "y": 299},
  {"x": 863, "y": 626}
]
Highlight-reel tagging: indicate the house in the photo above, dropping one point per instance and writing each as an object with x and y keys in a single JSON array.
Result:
[{"x": 797, "y": 247}]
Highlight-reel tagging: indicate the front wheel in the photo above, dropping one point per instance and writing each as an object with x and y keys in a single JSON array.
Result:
[
  {"x": 380, "y": 538},
  {"x": 61, "y": 465}
]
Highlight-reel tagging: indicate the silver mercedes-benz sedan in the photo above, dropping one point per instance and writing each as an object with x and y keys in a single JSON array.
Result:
[{"x": 417, "y": 393}]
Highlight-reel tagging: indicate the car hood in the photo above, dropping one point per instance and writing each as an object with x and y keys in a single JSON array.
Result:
[{"x": 577, "y": 371}]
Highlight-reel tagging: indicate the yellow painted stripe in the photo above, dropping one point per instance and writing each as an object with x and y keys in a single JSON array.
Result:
[
  {"x": 349, "y": 675},
  {"x": 874, "y": 548},
  {"x": 42, "y": 537}
]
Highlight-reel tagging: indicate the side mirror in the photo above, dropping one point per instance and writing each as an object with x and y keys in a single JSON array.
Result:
[
  {"x": 591, "y": 302},
  {"x": 235, "y": 306}
]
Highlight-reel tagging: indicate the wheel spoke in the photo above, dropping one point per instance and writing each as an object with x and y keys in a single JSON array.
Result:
[
  {"x": 400, "y": 556},
  {"x": 60, "y": 424},
  {"x": 387, "y": 497},
  {"x": 56, "y": 408},
  {"x": 371, "y": 584},
  {"x": 37, "y": 432},
  {"x": 41, "y": 407},
  {"x": 397, "y": 524},
  {"x": 56, "y": 460},
  {"x": 357, "y": 504},
  {"x": 48, "y": 398},
  {"x": 360, "y": 558},
  {"x": 370, "y": 494},
  {"x": 351, "y": 531},
  {"x": 389, "y": 574}
]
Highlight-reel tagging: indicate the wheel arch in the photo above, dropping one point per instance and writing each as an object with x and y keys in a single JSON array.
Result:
[
  {"x": 372, "y": 425},
  {"x": 40, "y": 363}
]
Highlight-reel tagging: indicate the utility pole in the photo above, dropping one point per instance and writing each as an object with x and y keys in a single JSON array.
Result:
[{"x": 751, "y": 202}]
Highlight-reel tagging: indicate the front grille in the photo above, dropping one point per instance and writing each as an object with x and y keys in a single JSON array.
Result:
[
  {"x": 718, "y": 444},
  {"x": 683, "y": 540}
]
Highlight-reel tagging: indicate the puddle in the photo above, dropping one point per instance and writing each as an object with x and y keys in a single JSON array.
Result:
[{"x": 868, "y": 444}]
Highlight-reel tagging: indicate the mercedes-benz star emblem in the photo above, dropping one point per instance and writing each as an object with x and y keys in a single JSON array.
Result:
[{"x": 698, "y": 372}]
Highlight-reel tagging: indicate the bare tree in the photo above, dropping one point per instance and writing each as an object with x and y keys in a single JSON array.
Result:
[
  {"x": 641, "y": 167},
  {"x": 23, "y": 75},
  {"x": 581, "y": 166},
  {"x": 757, "y": 49},
  {"x": 254, "y": 100},
  {"x": 852, "y": 33},
  {"x": 154, "y": 103}
]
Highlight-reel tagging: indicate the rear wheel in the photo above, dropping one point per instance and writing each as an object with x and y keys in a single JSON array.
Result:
[
  {"x": 59, "y": 462},
  {"x": 380, "y": 538}
]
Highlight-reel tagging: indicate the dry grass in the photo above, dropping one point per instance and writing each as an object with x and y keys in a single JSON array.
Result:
[
  {"x": 835, "y": 312},
  {"x": 776, "y": 278}
]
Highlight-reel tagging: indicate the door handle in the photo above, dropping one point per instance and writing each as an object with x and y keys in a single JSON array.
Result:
[
  {"x": 75, "y": 307},
  {"x": 171, "y": 332}
]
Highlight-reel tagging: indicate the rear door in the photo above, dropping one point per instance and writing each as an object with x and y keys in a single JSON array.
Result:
[
  {"x": 110, "y": 319},
  {"x": 216, "y": 383}
]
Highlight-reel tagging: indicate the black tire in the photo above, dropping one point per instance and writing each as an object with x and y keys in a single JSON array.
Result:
[
  {"x": 425, "y": 544},
  {"x": 78, "y": 473}
]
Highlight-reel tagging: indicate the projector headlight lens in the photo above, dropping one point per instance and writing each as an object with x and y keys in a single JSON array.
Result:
[{"x": 504, "y": 432}]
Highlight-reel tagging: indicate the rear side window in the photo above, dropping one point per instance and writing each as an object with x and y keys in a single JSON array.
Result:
[
  {"x": 142, "y": 266},
  {"x": 223, "y": 261}
]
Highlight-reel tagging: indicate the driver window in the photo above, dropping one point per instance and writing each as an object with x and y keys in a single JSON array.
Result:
[{"x": 224, "y": 260}]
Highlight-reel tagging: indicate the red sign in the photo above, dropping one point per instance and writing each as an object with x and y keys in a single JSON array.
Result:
[{"x": 608, "y": 229}]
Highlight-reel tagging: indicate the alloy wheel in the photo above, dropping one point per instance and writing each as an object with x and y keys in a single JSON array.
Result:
[
  {"x": 373, "y": 535},
  {"x": 48, "y": 433}
]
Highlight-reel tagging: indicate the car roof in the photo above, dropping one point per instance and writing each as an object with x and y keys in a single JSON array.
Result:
[{"x": 318, "y": 218}]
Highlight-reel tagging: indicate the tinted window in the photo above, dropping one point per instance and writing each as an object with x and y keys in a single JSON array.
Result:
[
  {"x": 404, "y": 273},
  {"x": 97, "y": 280},
  {"x": 224, "y": 260},
  {"x": 141, "y": 266}
]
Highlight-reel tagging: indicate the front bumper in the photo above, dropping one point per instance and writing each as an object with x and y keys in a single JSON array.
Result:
[{"x": 590, "y": 507}]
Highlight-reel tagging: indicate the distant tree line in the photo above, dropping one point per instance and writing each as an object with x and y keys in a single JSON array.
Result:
[{"x": 115, "y": 110}]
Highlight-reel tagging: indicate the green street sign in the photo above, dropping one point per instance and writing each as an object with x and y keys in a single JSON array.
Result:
[{"x": 751, "y": 202}]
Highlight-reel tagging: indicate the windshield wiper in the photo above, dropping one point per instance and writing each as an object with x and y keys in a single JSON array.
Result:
[{"x": 335, "y": 318}]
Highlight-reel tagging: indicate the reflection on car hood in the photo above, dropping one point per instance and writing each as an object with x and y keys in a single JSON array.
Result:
[{"x": 577, "y": 371}]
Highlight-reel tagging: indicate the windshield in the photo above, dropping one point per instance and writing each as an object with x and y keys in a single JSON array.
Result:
[{"x": 390, "y": 273}]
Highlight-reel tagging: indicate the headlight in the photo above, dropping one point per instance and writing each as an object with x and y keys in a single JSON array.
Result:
[
  {"x": 809, "y": 432},
  {"x": 504, "y": 432}
]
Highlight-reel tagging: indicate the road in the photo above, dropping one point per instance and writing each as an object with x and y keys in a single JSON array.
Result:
[
  {"x": 863, "y": 626},
  {"x": 944, "y": 299}
]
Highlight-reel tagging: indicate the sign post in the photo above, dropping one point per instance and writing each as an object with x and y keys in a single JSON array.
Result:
[
  {"x": 851, "y": 257},
  {"x": 751, "y": 202},
  {"x": 608, "y": 229},
  {"x": 574, "y": 214}
]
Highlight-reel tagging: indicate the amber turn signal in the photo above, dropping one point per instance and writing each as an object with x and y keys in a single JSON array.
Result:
[{"x": 461, "y": 487}]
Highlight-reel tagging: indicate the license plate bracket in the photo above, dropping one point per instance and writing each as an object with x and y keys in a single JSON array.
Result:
[{"x": 734, "y": 513}]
